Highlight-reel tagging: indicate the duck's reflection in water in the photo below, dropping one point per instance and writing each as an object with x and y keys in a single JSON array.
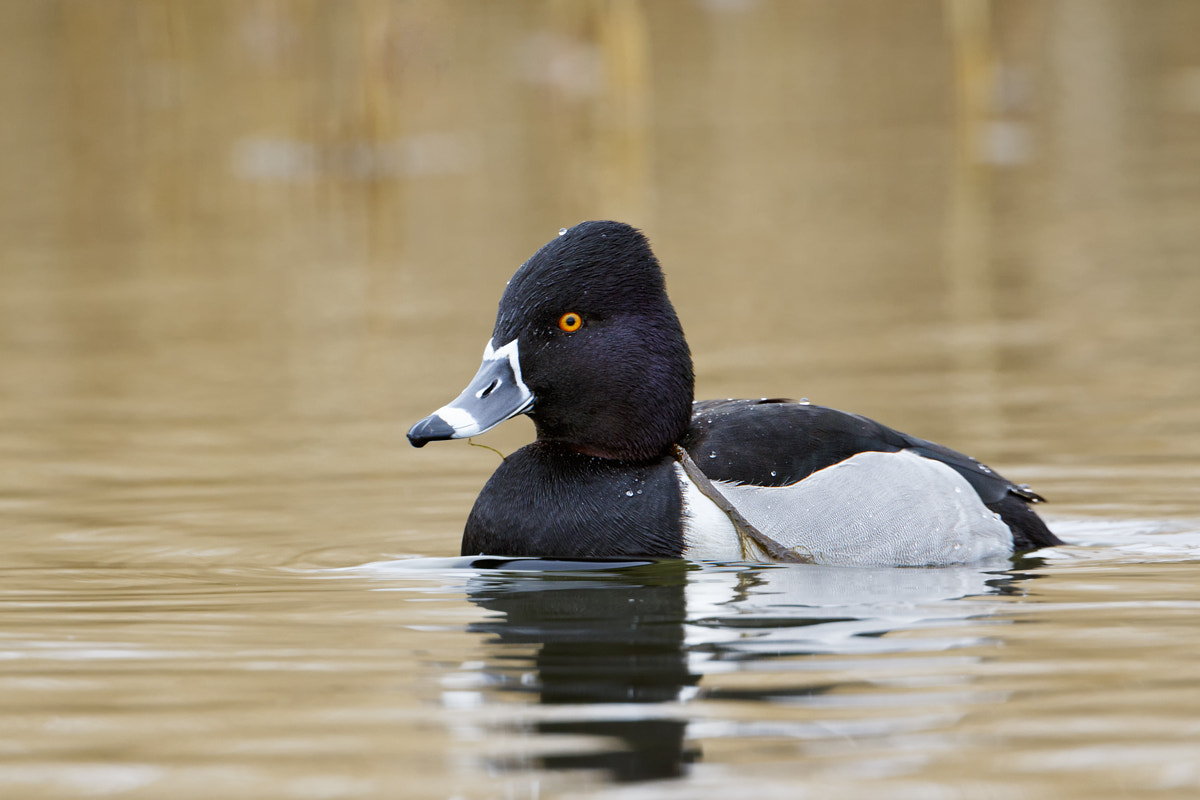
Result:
[
  {"x": 609, "y": 642},
  {"x": 618, "y": 648}
]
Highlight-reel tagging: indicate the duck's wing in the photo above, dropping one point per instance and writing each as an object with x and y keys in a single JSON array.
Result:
[{"x": 775, "y": 442}]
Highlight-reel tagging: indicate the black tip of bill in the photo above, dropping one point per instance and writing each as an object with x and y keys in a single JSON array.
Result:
[{"x": 431, "y": 429}]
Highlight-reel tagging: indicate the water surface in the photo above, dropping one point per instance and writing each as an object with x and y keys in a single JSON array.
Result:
[{"x": 244, "y": 245}]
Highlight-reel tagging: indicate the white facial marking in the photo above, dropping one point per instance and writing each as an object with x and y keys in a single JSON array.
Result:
[{"x": 509, "y": 351}]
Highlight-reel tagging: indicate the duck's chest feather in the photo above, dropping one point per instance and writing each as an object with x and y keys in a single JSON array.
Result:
[{"x": 547, "y": 500}]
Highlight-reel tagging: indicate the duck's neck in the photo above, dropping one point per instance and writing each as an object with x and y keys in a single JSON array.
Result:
[
  {"x": 638, "y": 428},
  {"x": 626, "y": 439}
]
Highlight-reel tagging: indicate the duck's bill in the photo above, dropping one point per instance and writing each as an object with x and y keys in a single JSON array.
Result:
[{"x": 495, "y": 394}]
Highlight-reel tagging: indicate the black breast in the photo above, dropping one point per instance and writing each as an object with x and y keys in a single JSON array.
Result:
[{"x": 546, "y": 500}]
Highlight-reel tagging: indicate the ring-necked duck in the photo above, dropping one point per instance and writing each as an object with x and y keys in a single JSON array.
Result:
[{"x": 588, "y": 345}]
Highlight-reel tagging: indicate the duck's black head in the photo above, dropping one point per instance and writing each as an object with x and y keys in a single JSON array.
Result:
[{"x": 587, "y": 343}]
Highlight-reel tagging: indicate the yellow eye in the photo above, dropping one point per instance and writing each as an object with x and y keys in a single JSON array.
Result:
[{"x": 570, "y": 322}]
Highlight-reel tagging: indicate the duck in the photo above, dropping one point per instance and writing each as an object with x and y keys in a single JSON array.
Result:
[{"x": 626, "y": 463}]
